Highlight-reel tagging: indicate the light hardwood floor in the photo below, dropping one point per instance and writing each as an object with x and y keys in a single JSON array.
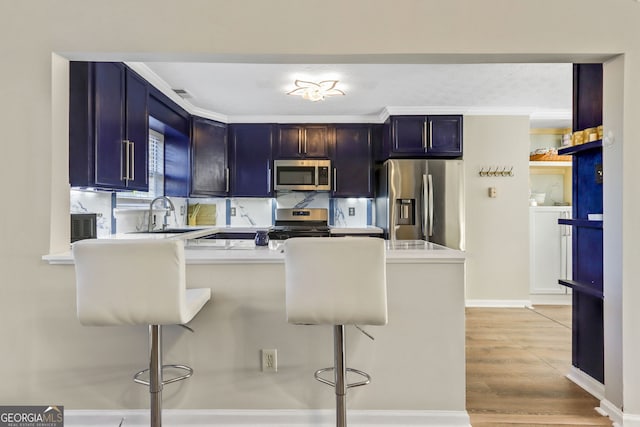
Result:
[{"x": 517, "y": 359}]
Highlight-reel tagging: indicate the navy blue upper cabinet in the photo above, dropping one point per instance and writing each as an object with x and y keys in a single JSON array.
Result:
[
  {"x": 303, "y": 141},
  {"x": 209, "y": 171},
  {"x": 250, "y": 159},
  {"x": 425, "y": 136},
  {"x": 137, "y": 130},
  {"x": 108, "y": 127},
  {"x": 352, "y": 161}
]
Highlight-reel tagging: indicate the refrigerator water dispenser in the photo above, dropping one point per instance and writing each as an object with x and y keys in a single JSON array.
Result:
[{"x": 405, "y": 211}]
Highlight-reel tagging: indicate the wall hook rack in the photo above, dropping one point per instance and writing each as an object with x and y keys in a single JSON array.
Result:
[{"x": 496, "y": 171}]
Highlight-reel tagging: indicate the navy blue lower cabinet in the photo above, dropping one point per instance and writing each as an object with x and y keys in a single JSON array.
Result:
[
  {"x": 250, "y": 159},
  {"x": 352, "y": 161}
]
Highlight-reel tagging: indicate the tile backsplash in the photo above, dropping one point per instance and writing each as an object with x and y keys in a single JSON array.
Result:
[
  {"x": 127, "y": 215},
  {"x": 98, "y": 202}
]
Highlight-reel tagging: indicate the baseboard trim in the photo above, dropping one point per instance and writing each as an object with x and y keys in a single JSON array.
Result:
[
  {"x": 551, "y": 299},
  {"x": 631, "y": 420},
  {"x": 610, "y": 410},
  {"x": 498, "y": 303},
  {"x": 265, "y": 418},
  {"x": 587, "y": 382}
]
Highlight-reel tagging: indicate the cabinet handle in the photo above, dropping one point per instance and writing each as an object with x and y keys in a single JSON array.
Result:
[
  {"x": 132, "y": 163},
  {"x": 268, "y": 177},
  {"x": 123, "y": 146},
  {"x": 227, "y": 179},
  {"x": 430, "y": 134},
  {"x": 124, "y": 161},
  {"x": 335, "y": 179},
  {"x": 424, "y": 136},
  {"x": 299, "y": 141}
]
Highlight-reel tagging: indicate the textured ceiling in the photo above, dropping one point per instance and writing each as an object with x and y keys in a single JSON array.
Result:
[{"x": 243, "y": 91}]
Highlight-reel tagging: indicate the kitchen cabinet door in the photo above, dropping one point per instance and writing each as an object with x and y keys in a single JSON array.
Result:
[
  {"x": 250, "y": 158},
  {"x": 352, "y": 161},
  {"x": 171, "y": 120},
  {"x": 110, "y": 146},
  {"x": 316, "y": 141},
  {"x": 137, "y": 130},
  {"x": 426, "y": 136},
  {"x": 408, "y": 135},
  {"x": 209, "y": 171},
  {"x": 444, "y": 136},
  {"x": 108, "y": 127},
  {"x": 303, "y": 141},
  {"x": 550, "y": 249}
]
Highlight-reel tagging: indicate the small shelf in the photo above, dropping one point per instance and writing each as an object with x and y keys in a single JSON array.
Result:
[
  {"x": 580, "y": 223},
  {"x": 549, "y": 164},
  {"x": 575, "y": 149},
  {"x": 581, "y": 287}
]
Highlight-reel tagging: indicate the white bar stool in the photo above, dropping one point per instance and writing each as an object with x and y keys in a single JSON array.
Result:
[
  {"x": 133, "y": 282},
  {"x": 336, "y": 281}
]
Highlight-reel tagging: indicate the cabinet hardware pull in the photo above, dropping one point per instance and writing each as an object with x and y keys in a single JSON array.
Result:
[
  {"x": 424, "y": 136},
  {"x": 268, "y": 177},
  {"x": 430, "y": 135},
  {"x": 299, "y": 141},
  {"x": 227, "y": 179},
  {"x": 132, "y": 165},
  {"x": 335, "y": 180},
  {"x": 124, "y": 161}
]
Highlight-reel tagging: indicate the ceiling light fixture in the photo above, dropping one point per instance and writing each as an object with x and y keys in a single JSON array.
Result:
[{"x": 315, "y": 91}]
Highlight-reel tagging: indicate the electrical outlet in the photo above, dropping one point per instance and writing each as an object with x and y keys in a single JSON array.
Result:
[
  {"x": 269, "y": 360},
  {"x": 232, "y": 211},
  {"x": 352, "y": 211}
]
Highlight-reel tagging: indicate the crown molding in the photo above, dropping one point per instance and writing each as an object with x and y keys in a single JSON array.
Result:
[{"x": 304, "y": 119}]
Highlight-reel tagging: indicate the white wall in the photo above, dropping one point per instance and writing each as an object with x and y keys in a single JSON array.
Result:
[
  {"x": 37, "y": 301},
  {"x": 497, "y": 228}
]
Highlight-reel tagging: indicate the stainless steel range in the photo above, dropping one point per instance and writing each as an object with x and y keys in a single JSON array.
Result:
[{"x": 311, "y": 222}]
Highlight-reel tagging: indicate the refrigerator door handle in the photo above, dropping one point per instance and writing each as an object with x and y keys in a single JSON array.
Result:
[
  {"x": 425, "y": 206},
  {"x": 430, "y": 191}
]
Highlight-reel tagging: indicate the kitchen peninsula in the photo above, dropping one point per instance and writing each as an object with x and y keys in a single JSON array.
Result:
[{"x": 417, "y": 361}]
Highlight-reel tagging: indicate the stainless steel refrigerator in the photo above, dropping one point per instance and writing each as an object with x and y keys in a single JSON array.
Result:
[{"x": 421, "y": 199}]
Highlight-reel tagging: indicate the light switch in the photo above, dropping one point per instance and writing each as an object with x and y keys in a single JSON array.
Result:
[
  {"x": 492, "y": 192},
  {"x": 352, "y": 211}
]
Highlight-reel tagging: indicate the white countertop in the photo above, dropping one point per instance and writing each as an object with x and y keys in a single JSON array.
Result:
[
  {"x": 225, "y": 251},
  {"x": 357, "y": 230}
]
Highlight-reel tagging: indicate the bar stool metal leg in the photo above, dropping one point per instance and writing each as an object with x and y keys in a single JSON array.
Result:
[
  {"x": 155, "y": 374},
  {"x": 340, "y": 373}
]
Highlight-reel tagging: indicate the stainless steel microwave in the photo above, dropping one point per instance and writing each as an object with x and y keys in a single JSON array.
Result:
[{"x": 302, "y": 175}]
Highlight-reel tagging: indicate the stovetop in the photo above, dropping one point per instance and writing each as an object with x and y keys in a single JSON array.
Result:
[{"x": 307, "y": 222}]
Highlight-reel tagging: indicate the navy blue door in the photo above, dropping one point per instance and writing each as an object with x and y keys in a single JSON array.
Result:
[
  {"x": 408, "y": 134},
  {"x": 352, "y": 161},
  {"x": 109, "y": 93},
  {"x": 209, "y": 173},
  {"x": 137, "y": 131},
  {"x": 250, "y": 160},
  {"x": 444, "y": 135}
]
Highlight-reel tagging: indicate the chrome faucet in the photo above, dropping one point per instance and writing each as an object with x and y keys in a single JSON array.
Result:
[{"x": 165, "y": 222}]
